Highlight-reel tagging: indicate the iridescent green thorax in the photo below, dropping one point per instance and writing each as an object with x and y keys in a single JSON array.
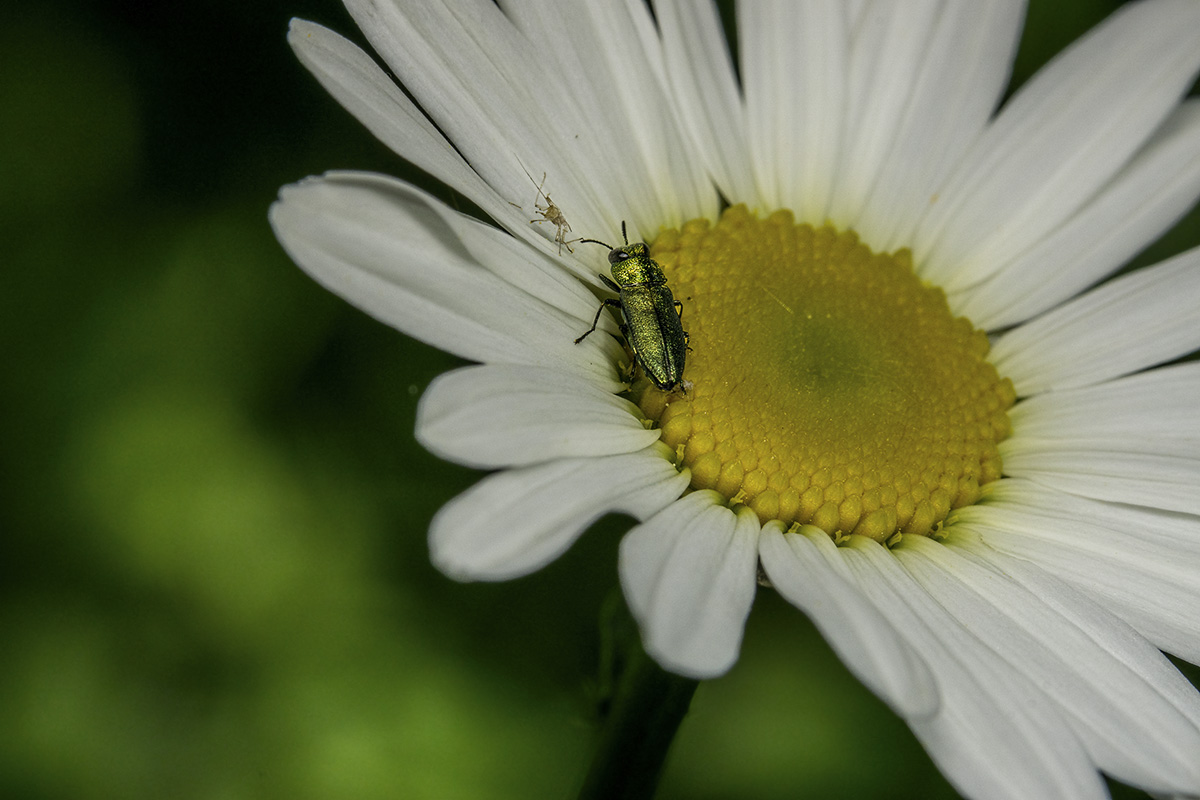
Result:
[{"x": 632, "y": 265}]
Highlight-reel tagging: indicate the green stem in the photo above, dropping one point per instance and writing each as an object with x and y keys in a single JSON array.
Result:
[{"x": 641, "y": 718}]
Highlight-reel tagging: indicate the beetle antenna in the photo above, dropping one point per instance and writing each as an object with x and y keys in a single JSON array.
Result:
[
  {"x": 623, "y": 236},
  {"x": 597, "y": 241}
]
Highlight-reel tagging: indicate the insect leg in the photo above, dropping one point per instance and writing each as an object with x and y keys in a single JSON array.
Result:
[
  {"x": 606, "y": 302},
  {"x": 679, "y": 310}
]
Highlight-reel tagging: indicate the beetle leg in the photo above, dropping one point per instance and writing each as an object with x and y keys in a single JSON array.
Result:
[
  {"x": 609, "y": 282},
  {"x": 686, "y": 338},
  {"x": 630, "y": 349},
  {"x": 606, "y": 302}
]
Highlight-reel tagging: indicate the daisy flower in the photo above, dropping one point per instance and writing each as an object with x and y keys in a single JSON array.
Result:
[{"x": 911, "y": 405}]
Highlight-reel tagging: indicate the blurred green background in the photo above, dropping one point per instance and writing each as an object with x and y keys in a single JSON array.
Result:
[{"x": 213, "y": 571}]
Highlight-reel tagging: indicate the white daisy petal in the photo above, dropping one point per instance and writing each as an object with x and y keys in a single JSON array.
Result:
[
  {"x": 887, "y": 49},
  {"x": 1137, "y": 528},
  {"x": 598, "y": 150},
  {"x": 355, "y": 81},
  {"x": 1131, "y": 730},
  {"x": 855, "y": 9},
  {"x": 794, "y": 62},
  {"x": 965, "y": 69},
  {"x": 689, "y": 576},
  {"x": 1150, "y": 412},
  {"x": 1134, "y": 440},
  {"x": 539, "y": 275},
  {"x": 508, "y": 415},
  {"x": 700, "y": 72},
  {"x": 1136, "y": 321},
  {"x": 612, "y": 56},
  {"x": 470, "y": 71},
  {"x": 1142, "y": 565},
  {"x": 670, "y": 161},
  {"x": 1158, "y": 606},
  {"x": 379, "y": 244},
  {"x": 1060, "y": 139},
  {"x": 1145, "y": 199},
  {"x": 996, "y": 734},
  {"x": 1121, "y": 640},
  {"x": 1155, "y": 481},
  {"x": 1146, "y": 594},
  {"x": 565, "y": 51},
  {"x": 517, "y": 521},
  {"x": 807, "y": 569}
]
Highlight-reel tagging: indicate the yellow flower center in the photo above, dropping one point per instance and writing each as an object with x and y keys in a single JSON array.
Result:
[{"x": 829, "y": 386}]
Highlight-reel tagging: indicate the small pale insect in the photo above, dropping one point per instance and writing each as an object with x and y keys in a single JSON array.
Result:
[
  {"x": 552, "y": 214},
  {"x": 653, "y": 324}
]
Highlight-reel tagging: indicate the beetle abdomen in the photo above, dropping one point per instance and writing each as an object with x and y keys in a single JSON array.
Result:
[{"x": 655, "y": 333}]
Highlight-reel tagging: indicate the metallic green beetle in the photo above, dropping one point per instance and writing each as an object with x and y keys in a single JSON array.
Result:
[{"x": 653, "y": 324}]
